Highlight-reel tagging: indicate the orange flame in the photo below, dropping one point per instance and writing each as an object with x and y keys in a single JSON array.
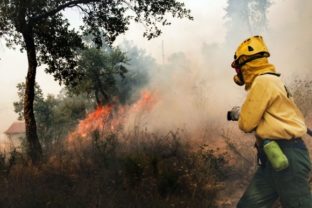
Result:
[
  {"x": 145, "y": 103},
  {"x": 97, "y": 119},
  {"x": 109, "y": 118}
]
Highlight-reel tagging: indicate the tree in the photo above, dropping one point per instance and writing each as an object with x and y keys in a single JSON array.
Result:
[
  {"x": 113, "y": 74},
  {"x": 42, "y": 110},
  {"x": 19, "y": 105},
  {"x": 140, "y": 68},
  {"x": 99, "y": 68},
  {"x": 55, "y": 116},
  {"x": 40, "y": 29}
]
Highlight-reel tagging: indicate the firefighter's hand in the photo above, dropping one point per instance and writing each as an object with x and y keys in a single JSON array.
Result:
[{"x": 233, "y": 114}]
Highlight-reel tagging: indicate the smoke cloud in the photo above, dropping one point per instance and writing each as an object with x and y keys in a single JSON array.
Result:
[
  {"x": 289, "y": 37},
  {"x": 195, "y": 90}
]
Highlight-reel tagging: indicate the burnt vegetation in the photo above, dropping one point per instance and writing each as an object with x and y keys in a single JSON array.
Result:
[{"x": 149, "y": 169}]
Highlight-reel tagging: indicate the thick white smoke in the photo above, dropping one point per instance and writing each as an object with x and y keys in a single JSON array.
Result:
[
  {"x": 196, "y": 90},
  {"x": 289, "y": 37}
]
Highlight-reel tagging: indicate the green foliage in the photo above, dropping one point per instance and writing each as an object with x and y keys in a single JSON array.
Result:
[
  {"x": 99, "y": 69},
  {"x": 58, "y": 47},
  {"x": 19, "y": 105},
  {"x": 109, "y": 74},
  {"x": 55, "y": 42},
  {"x": 64, "y": 114}
]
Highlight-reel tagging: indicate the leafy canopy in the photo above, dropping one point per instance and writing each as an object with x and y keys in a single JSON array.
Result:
[
  {"x": 57, "y": 44},
  {"x": 100, "y": 69}
]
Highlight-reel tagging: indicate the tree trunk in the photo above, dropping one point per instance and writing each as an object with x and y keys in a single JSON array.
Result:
[
  {"x": 100, "y": 95},
  {"x": 97, "y": 98},
  {"x": 34, "y": 147}
]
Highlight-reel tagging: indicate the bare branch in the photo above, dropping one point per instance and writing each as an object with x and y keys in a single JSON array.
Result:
[
  {"x": 82, "y": 9},
  {"x": 60, "y": 8},
  {"x": 132, "y": 8}
]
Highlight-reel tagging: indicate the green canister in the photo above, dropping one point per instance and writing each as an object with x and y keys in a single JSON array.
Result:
[{"x": 275, "y": 155}]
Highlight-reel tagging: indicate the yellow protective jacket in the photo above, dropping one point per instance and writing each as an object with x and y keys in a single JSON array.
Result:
[{"x": 269, "y": 109}]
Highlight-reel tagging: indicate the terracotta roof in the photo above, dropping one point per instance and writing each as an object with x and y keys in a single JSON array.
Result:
[{"x": 16, "y": 128}]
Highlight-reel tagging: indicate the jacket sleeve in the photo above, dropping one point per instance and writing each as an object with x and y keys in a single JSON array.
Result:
[{"x": 255, "y": 105}]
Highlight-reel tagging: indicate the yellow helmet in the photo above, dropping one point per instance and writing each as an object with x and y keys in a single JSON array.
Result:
[{"x": 250, "y": 49}]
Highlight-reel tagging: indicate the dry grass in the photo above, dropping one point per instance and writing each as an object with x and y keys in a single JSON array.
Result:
[
  {"x": 144, "y": 170},
  {"x": 138, "y": 169}
]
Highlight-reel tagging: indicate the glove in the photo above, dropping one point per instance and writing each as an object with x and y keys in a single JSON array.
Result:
[{"x": 233, "y": 115}]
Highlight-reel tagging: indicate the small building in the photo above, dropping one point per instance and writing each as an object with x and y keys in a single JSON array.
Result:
[{"x": 16, "y": 133}]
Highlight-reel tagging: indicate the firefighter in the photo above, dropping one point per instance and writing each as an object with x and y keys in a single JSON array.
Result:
[{"x": 270, "y": 112}]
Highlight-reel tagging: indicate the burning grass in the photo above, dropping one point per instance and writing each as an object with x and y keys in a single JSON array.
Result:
[
  {"x": 104, "y": 164},
  {"x": 111, "y": 118}
]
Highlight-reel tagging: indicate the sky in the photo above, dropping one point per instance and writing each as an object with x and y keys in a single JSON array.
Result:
[{"x": 288, "y": 36}]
